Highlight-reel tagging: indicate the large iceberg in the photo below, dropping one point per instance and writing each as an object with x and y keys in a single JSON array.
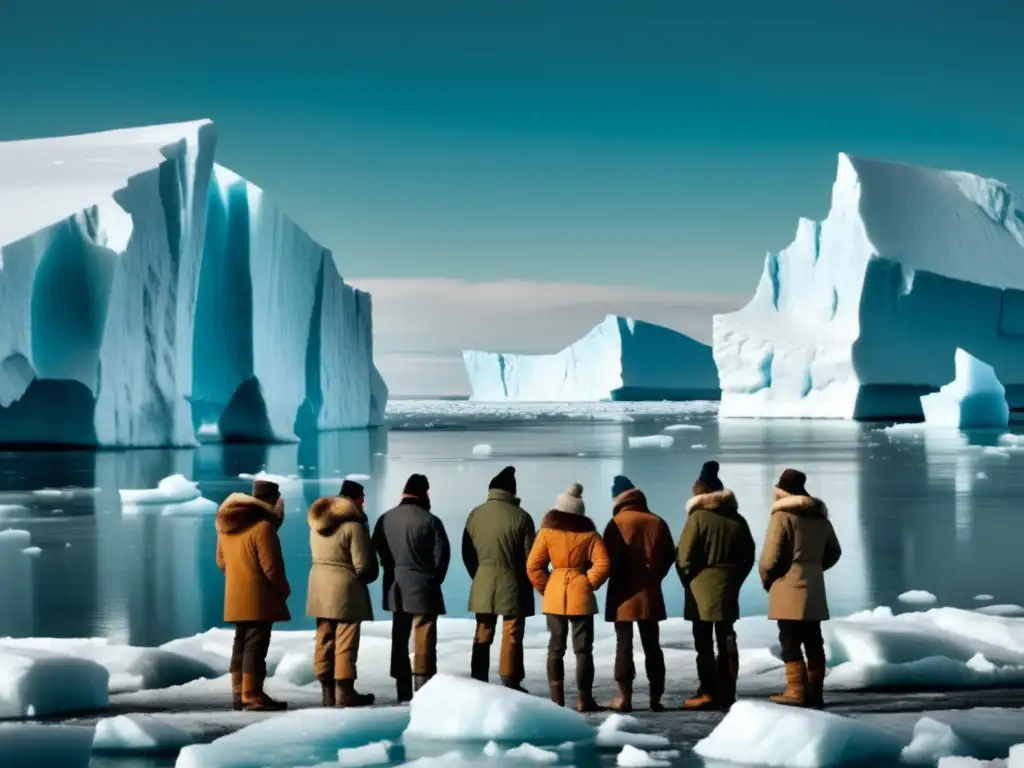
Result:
[
  {"x": 619, "y": 359},
  {"x": 975, "y": 399},
  {"x": 145, "y": 291},
  {"x": 861, "y": 315}
]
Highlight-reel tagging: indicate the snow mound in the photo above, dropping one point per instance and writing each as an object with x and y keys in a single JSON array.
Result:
[
  {"x": 171, "y": 490},
  {"x": 36, "y": 682},
  {"x": 302, "y": 737},
  {"x": 853, "y": 320},
  {"x": 457, "y": 709},
  {"x": 973, "y": 400},
  {"x": 651, "y": 441},
  {"x": 615, "y": 731},
  {"x": 138, "y": 733},
  {"x": 917, "y": 597},
  {"x": 34, "y": 746},
  {"x": 631, "y": 757},
  {"x": 377, "y": 753},
  {"x": 528, "y": 753},
  {"x": 138, "y": 277},
  {"x": 619, "y": 359},
  {"x": 761, "y": 733},
  {"x": 982, "y": 733}
]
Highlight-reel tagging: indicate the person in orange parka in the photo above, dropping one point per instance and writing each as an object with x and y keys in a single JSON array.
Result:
[{"x": 568, "y": 541}]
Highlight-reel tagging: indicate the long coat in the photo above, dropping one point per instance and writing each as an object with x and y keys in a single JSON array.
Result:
[
  {"x": 641, "y": 552},
  {"x": 570, "y": 544},
  {"x": 799, "y": 547},
  {"x": 249, "y": 553},
  {"x": 495, "y": 544},
  {"x": 343, "y": 561},
  {"x": 716, "y": 554},
  {"x": 414, "y": 553}
]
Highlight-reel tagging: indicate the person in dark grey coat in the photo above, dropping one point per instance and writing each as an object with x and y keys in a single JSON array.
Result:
[{"x": 414, "y": 554}]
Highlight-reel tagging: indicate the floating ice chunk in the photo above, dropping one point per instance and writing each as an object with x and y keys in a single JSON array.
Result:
[
  {"x": 614, "y": 732},
  {"x": 665, "y": 754},
  {"x": 982, "y": 733},
  {"x": 171, "y": 490},
  {"x": 917, "y": 597},
  {"x": 1007, "y": 610},
  {"x": 682, "y": 427},
  {"x": 453, "y": 708},
  {"x": 984, "y": 598},
  {"x": 34, "y": 746},
  {"x": 356, "y": 477},
  {"x": 631, "y": 757},
  {"x": 981, "y": 476},
  {"x": 13, "y": 510},
  {"x": 31, "y": 551},
  {"x": 377, "y": 753},
  {"x": 651, "y": 441},
  {"x": 482, "y": 449},
  {"x": 197, "y": 507},
  {"x": 35, "y": 682},
  {"x": 302, "y": 737},
  {"x": 969, "y": 762},
  {"x": 138, "y": 733},
  {"x": 761, "y": 733},
  {"x": 975, "y": 399},
  {"x": 491, "y": 749},
  {"x": 290, "y": 483},
  {"x": 531, "y": 754}
]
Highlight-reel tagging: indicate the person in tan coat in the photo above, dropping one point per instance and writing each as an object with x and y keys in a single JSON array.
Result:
[
  {"x": 799, "y": 547},
  {"x": 256, "y": 589},
  {"x": 568, "y": 541},
  {"x": 641, "y": 552},
  {"x": 344, "y": 563}
]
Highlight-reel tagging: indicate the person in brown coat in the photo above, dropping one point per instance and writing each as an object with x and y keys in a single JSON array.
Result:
[
  {"x": 568, "y": 541},
  {"x": 256, "y": 588},
  {"x": 799, "y": 547},
  {"x": 716, "y": 554},
  {"x": 344, "y": 563},
  {"x": 641, "y": 552}
]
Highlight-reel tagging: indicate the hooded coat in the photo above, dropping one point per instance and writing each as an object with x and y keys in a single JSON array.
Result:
[
  {"x": 344, "y": 562},
  {"x": 496, "y": 542},
  {"x": 641, "y": 553},
  {"x": 414, "y": 553},
  {"x": 249, "y": 553},
  {"x": 799, "y": 547},
  {"x": 716, "y": 554},
  {"x": 579, "y": 564}
]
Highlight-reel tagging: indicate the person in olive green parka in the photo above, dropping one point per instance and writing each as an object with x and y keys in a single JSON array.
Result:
[
  {"x": 716, "y": 554},
  {"x": 495, "y": 544}
]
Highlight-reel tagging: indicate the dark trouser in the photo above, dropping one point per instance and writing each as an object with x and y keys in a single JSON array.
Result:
[
  {"x": 582, "y": 645},
  {"x": 249, "y": 650},
  {"x": 423, "y": 630},
  {"x": 336, "y": 649},
  {"x": 510, "y": 666},
  {"x": 717, "y": 677},
  {"x": 801, "y": 637},
  {"x": 654, "y": 659}
]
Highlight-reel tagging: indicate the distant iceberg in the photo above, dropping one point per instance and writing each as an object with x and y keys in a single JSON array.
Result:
[
  {"x": 619, "y": 359},
  {"x": 146, "y": 292},
  {"x": 861, "y": 315}
]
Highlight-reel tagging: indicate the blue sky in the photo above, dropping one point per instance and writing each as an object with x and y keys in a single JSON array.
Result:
[{"x": 658, "y": 144}]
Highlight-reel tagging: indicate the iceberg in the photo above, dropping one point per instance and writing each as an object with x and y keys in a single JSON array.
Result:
[
  {"x": 975, "y": 399},
  {"x": 853, "y": 320},
  {"x": 620, "y": 359},
  {"x": 148, "y": 292}
]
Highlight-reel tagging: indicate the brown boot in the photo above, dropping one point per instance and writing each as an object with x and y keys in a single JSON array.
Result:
[
  {"x": 255, "y": 700},
  {"x": 815, "y": 694},
  {"x": 705, "y": 696},
  {"x": 585, "y": 703},
  {"x": 585, "y": 683},
  {"x": 623, "y": 701},
  {"x": 556, "y": 690},
  {"x": 346, "y": 695},
  {"x": 327, "y": 697},
  {"x": 796, "y": 685},
  {"x": 236, "y": 691}
]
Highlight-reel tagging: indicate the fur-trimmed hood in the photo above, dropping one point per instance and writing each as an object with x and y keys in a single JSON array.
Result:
[
  {"x": 328, "y": 513},
  {"x": 567, "y": 521},
  {"x": 634, "y": 499},
  {"x": 802, "y": 506},
  {"x": 500, "y": 494},
  {"x": 241, "y": 511},
  {"x": 716, "y": 501}
]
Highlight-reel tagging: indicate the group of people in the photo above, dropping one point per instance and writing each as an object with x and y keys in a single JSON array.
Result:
[{"x": 566, "y": 561}]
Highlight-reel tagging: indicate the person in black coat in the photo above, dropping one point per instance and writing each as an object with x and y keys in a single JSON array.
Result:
[{"x": 414, "y": 554}]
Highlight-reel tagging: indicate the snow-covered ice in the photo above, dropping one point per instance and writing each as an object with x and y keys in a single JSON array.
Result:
[
  {"x": 982, "y": 733},
  {"x": 975, "y": 399},
  {"x": 145, "y": 293},
  {"x": 619, "y": 359},
  {"x": 917, "y": 597},
  {"x": 762, "y": 733},
  {"x": 35, "y": 682},
  {"x": 651, "y": 441},
  {"x": 138, "y": 733},
  {"x": 852, "y": 319},
  {"x": 631, "y": 757},
  {"x": 170, "y": 490},
  {"x": 376, "y": 753},
  {"x": 615, "y": 731},
  {"x": 457, "y": 709},
  {"x": 35, "y": 746},
  {"x": 528, "y": 753}
]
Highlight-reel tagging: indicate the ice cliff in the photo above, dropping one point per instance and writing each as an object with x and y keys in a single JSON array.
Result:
[
  {"x": 144, "y": 289},
  {"x": 862, "y": 314},
  {"x": 619, "y": 359}
]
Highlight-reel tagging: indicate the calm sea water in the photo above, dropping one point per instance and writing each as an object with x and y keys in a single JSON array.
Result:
[{"x": 941, "y": 513}]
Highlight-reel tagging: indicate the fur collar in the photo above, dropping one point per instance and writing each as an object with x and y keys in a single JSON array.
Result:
[
  {"x": 327, "y": 514},
  {"x": 724, "y": 501},
  {"x": 567, "y": 521},
  {"x": 241, "y": 511},
  {"x": 500, "y": 494},
  {"x": 415, "y": 501},
  {"x": 802, "y": 506},
  {"x": 633, "y": 499}
]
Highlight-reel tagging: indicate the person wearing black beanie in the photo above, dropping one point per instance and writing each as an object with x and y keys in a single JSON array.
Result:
[
  {"x": 715, "y": 555},
  {"x": 504, "y": 481}
]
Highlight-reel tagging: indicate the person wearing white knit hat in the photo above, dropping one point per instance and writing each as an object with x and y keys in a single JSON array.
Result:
[{"x": 569, "y": 543}]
